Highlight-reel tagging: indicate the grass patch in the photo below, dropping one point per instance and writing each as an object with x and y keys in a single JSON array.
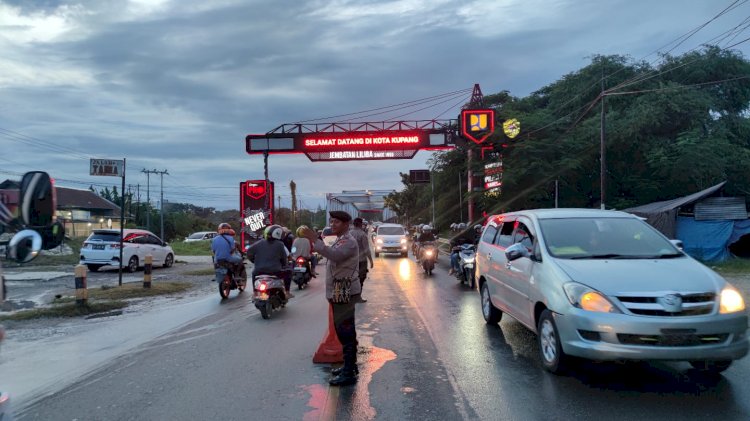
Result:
[
  {"x": 735, "y": 265},
  {"x": 201, "y": 272},
  {"x": 136, "y": 290},
  {"x": 196, "y": 248},
  {"x": 66, "y": 310}
]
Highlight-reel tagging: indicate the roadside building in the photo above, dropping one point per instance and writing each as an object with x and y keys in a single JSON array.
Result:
[{"x": 712, "y": 227}]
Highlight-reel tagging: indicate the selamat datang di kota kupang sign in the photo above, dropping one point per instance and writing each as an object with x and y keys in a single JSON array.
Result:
[{"x": 348, "y": 146}]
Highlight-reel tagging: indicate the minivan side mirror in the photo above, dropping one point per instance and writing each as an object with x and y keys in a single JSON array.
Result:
[
  {"x": 24, "y": 246},
  {"x": 516, "y": 251},
  {"x": 678, "y": 244}
]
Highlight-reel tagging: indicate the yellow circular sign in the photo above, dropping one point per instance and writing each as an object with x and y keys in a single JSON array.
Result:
[{"x": 512, "y": 128}]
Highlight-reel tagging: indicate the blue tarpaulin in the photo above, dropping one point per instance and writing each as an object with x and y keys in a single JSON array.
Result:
[{"x": 709, "y": 240}]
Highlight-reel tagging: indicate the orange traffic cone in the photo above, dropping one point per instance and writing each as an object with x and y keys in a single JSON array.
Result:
[{"x": 330, "y": 349}]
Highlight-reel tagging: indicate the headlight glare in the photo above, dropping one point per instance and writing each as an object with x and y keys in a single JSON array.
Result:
[
  {"x": 731, "y": 301},
  {"x": 588, "y": 299},
  {"x": 403, "y": 241},
  {"x": 379, "y": 241}
]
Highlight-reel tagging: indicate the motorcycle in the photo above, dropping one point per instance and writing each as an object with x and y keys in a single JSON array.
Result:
[
  {"x": 301, "y": 272},
  {"x": 228, "y": 280},
  {"x": 466, "y": 261},
  {"x": 428, "y": 256},
  {"x": 269, "y": 294}
]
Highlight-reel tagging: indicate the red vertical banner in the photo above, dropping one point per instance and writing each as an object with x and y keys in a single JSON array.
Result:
[{"x": 256, "y": 209}]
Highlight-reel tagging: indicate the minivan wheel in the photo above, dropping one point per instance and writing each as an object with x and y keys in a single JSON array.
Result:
[
  {"x": 492, "y": 314},
  {"x": 711, "y": 366},
  {"x": 553, "y": 358},
  {"x": 133, "y": 264}
]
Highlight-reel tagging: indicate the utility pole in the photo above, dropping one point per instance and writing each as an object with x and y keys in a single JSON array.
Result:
[
  {"x": 138, "y": 207},
  {"x": 148, "y": 198},
  {"x": 161, "y": 203},
  {"x": 432, "y": 186},
  {"x": 556, "y": 191},
  {"x": 602, "y": 150}
]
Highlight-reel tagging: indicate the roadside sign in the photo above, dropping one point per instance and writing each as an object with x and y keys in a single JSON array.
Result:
[
  {"x": 107, "y": 167},
  {"x": 477, "y": 125},
  {"x": 419, "y": 176}
]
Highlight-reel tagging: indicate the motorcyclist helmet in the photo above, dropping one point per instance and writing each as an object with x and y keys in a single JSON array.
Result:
[
  {"x": 477, "y": 227},
  {"x": 225, "y": 228},
  {"x": 272, "y": 232},
  {"x": 426, "y": 228}
]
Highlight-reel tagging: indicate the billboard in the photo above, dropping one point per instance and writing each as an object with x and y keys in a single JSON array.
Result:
[{"x": 256, "y": 208}]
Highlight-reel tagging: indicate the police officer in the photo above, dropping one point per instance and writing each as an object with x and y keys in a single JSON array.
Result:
[
  {"x": 343, "y": 262},
  {"x": 365, "y": 255}
]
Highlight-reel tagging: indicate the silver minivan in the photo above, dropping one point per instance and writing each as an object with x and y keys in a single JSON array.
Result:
[
  {"x": 605, "y": 285},
  {"x": 391, "y": 238}
]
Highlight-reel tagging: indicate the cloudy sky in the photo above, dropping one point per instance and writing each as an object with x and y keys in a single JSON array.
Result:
[{"x": 177, "y": 85}]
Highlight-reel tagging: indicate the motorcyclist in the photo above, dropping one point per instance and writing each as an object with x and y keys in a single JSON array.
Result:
[
  {"x": 287, "y": 238},
  {"x": 226, "y": 251},
  {"x": 467, "y": 236},
  {"x": 303, "y": 247},
  {"x": 270, "y": 257},
  {"x": 425, "y": 237}
]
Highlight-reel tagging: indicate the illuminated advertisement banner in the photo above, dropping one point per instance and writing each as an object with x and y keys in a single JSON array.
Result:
[
  {"x": 256, "y": 204},
  {"x": 493, "y": 176}
]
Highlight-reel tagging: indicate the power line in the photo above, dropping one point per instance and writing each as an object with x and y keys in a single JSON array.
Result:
[{"x": 416, "y": 102}]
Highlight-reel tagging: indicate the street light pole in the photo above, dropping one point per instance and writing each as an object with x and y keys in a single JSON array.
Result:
[{"x": 460, "y": 199}]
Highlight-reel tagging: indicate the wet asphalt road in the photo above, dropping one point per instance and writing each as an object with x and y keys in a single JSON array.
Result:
[{"x": 425, "y": 353}]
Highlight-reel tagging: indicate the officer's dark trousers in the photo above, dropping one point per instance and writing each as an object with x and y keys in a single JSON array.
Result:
[{"x": 343, "y": 321}]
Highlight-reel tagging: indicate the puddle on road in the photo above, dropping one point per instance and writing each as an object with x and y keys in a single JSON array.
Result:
[{"x": 324, "y": 399}]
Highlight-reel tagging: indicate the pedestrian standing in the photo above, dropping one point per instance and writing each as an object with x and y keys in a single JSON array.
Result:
[
  {"x": 365, "y": 255},
  {"x": 343, "y": 269}
]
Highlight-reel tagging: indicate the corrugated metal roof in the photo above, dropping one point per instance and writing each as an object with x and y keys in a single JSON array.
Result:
[
  {"x": 667, "y": 205},
  {"x": 721, "y": 209}
]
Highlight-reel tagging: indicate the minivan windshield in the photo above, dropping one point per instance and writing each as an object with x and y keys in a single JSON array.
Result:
[
  {"x": 390, "y": 231},
  {"x": 196, "y": 236},
  {"x": 605, "y": 238}
]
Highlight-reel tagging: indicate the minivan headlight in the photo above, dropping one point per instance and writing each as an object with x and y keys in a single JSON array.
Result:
[
  {"x": 731, "y": 301},
  {"x": 379, "y": 241},
  {"x": 403, "y": 241},
  {"x": 587, "y": 298}
]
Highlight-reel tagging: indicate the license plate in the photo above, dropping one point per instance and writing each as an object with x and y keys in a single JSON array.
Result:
[
  {"x": 98, "y": 247},
  {"x": 303, "y": 270},
  {"x": 469, "y": 266},
  {"x": 261, "y": 296}
]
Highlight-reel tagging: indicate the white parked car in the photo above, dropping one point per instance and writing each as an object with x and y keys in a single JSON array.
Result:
[
  {"x": 102, "y": 248},
  {"x": 200, "y": 236}
]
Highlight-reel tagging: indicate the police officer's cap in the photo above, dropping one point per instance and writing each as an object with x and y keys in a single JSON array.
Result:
[{"x": 341, "y": 216}]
